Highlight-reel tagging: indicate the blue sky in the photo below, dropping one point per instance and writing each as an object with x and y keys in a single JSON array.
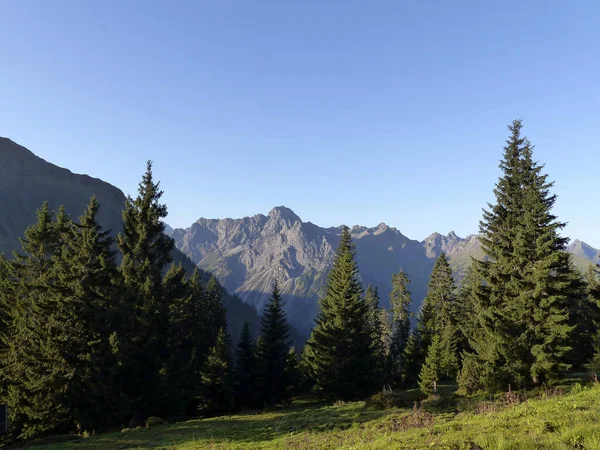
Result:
[{"x": 348, "y": 112}]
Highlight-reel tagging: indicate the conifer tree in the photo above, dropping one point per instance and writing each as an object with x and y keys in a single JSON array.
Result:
[
  {"x": 273, "y": 351},
  {"x": 593, "y": 292},
  {"x": 183, "y": 326},
  {"x": 216, "y": 397},
  {"x": 216, "y": 315},
  {"x": 141, "y": 339},
  {"x": 465, "y": 311},
  {"x": 430, "y": 373},
  {"x": 245, "y": 371},
  {"x": 525, "y": 301},
  {"x": 400, "y": 299},
  {"x": 584, "y": 316},
  {"x": 375, "y": 320},
  {"x": 34, "y": 371},
  {"x": 292, "y": 374},
  {"x": 86, "y": 277},
  {"x": 339, "y": 353}
]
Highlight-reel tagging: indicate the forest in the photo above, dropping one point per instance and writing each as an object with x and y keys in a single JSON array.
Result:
[{"x": 99, "y": 334}]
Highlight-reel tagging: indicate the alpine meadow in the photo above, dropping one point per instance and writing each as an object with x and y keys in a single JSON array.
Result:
[{"x": 114, "y": 338}]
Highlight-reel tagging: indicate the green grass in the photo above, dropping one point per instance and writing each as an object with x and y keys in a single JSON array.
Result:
[{"x": 544, "y": 421}]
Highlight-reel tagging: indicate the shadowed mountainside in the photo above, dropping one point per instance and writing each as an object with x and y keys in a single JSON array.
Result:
[{"x": 26, "y": 181}]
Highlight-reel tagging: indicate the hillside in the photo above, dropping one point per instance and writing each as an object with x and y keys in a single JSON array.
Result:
[
  {"x": 547, "y": 420},
  {"x": 26, "y": 181}
]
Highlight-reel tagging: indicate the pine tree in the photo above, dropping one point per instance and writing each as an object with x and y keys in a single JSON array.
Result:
[
  {"x": 142, "y": 338},
  {"x": 440, "y": 296},
  {"x": 292, "y": 374},
  {"x": 584, "y": 316},
  {"x": 524, "y": 302},
  {"x": 400, "y": 299},
  {"x": 86, "y": 273},
  {"x": 593, "y": 297},
  {"x": 216, "y": 397},
  {"x": 339, "y": 353},
  {"x": 216, "y": 315},
  {"x": 375, "y": 320},
  {"x": 182, "y": 327},
  {"x": 430, "y": 372},
  {"x": 189, "y": 340},
  {"x": 273, "y": 352},
  {"x": 465, "y": 311},
  {"x": 34, "y": 371},
  {"x": 245, "y": 371}
]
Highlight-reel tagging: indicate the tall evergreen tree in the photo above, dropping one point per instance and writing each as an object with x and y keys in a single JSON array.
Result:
[
  {"x": 86, "y": 277},
  {"x": 528, "y": 289},
  {"x": 245, "y": 371},
  {"x": 142, "y": 337},
  {"x": 400, "y": 299},
  {"x": 216, "y": 397},
  {"x": 375, "y": 320},
  {"x": 465, "y": 311},
  {"x": 292, "y": 374},
  {"x": 339, "y": 353},
  {"x": 273, "y": 351},
  {"x": 216, "y": 315},
  {"x": 189, "y": 340},
  {"x": 34, "y": 371},
  {"x": 439, "y": 318}
]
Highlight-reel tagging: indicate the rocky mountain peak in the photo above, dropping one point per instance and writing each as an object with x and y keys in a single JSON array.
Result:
[{"x": 284, "y": 213}]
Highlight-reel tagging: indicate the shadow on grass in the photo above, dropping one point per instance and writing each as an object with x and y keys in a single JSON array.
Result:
[{"x": 249, "y": 428}]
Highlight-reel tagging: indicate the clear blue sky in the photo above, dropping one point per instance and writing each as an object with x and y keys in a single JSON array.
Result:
[{"x": 350, "y": 112}]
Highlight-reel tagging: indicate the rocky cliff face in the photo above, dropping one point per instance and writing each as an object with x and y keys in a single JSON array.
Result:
[{"x": 247, "y": 254}]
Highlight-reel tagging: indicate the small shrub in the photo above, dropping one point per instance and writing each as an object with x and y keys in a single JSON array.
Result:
[
  {"x": 419, "y": 418},
  {"x": 577, "y": 388},
  {"x": 486, "y": 407},
  {"x": 154, "y": 421},
  {"x": 380, "y": 401},
  {"x": 552, "y": 392}
]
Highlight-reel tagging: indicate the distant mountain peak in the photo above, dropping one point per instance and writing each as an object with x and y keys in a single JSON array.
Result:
[{"x": 285, "y": 213}]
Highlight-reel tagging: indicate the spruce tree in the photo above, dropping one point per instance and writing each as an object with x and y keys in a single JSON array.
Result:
[
  {"x": 273, "y": 351},
  {"x": 32, "y": 367},
  {"x": 528, "y": 285},
  {"x": 593, "y": 297},
  {"x": 142, "y": 337},
  {"x": 339, "y": 353},
  {"x": 430, "y": 373},
  {"x": 216, "y": 315},
  {"x": 216, "y": 395},
  {"x": 86, "y": 277},
  {"x": 245, "y": 371},
  {"x": 400, "y": 300},
  {"x": 375, "y": 320},
  {"x": 584, "y": 316},
  {"x": 189, "y": 340},
  {"x": 465, "y": 311},
  {"x": 292, "y": 374},
  {"x": 182, "y": 327}
]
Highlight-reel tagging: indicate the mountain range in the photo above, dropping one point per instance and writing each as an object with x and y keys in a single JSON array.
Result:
[{"x": 247, "y": 254}]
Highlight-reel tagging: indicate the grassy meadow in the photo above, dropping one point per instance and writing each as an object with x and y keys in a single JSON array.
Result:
[{"x": 565, "y": 417}]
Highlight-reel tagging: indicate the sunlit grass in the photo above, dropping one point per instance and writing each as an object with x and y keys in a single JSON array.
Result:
[{"x": 551, "y": 420}]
